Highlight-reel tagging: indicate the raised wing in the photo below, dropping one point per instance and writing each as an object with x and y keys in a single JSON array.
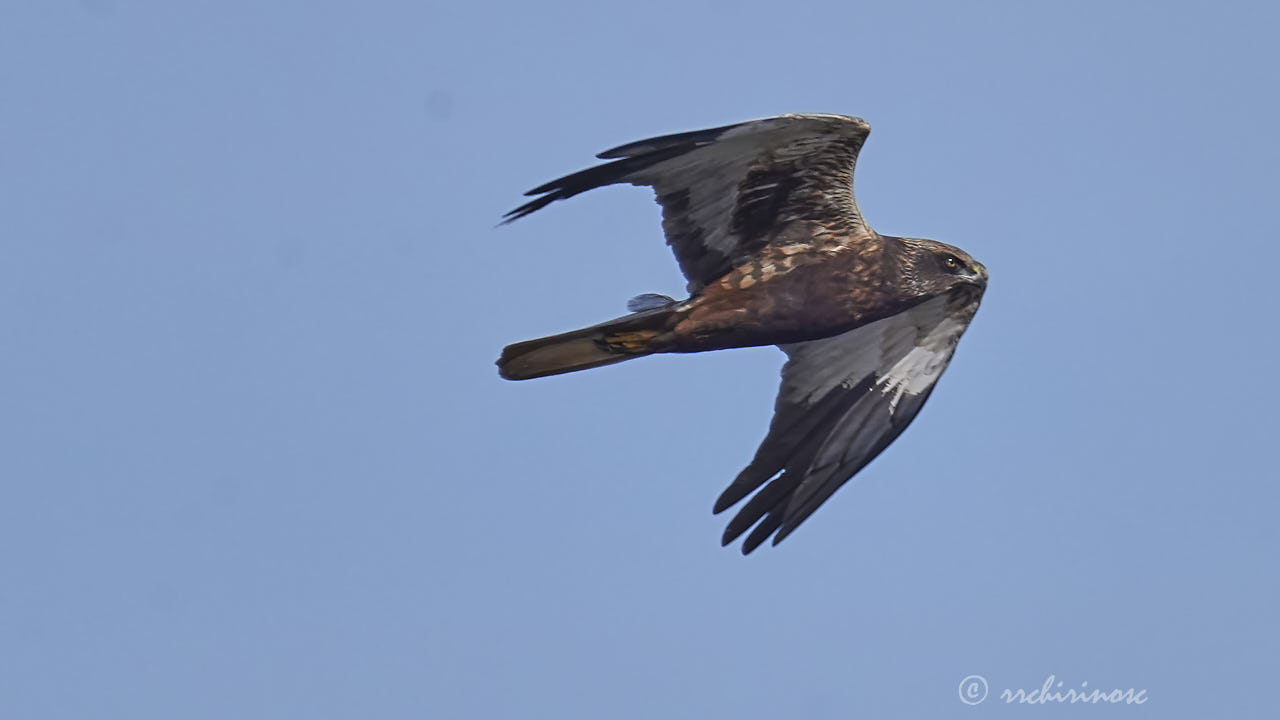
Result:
[
  {"x": 843, "y": 400},
  {"x": 729, "y": 191}
]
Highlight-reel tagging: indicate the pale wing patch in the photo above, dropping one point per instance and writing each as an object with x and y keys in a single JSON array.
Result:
[
  {"x": 815, "y": 368},
  {"x": 921, "y": 367},
  {"x": 905, "y": 350}
]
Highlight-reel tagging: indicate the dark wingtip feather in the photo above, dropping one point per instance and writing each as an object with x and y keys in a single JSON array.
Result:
[
  {"x": 751, "y": 478},
  {"x": 773, "y": 498},
  {"x": 725, "y": 501},
  {"x": 550, "y": 185},
  {"x": 784, "y": 532},
  {"x": 762, "y": 532},
  {"x": 593, "y": 177},
  {"x": 529, "y": 207},
  {"x": 686, "y": 140}
]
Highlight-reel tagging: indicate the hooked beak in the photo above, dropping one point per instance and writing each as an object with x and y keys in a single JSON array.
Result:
[{"x": 980, "y": 271}]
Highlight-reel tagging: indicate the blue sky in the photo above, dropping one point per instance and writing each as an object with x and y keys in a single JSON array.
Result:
[{"x": 257, "y": 462}]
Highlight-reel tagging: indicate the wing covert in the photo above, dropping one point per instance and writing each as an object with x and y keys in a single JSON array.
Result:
[{"x": 727, "y": 192}]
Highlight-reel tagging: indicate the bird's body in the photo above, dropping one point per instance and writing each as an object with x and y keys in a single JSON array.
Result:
[
  {"x": 762, "y": 218},
  {"x": 784, "y": 296}
]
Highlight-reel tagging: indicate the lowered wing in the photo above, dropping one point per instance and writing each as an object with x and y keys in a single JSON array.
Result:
[{"x": 843, "y": 400}]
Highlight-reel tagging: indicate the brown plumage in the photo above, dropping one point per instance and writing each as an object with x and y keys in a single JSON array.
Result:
[{"x": 764, "y": 224}]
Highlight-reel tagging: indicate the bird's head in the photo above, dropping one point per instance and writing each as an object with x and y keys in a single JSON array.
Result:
[{"x": 931, "y": 268}]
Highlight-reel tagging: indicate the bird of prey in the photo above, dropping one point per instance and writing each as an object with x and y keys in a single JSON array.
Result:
[{"x": 763, "y": 222}]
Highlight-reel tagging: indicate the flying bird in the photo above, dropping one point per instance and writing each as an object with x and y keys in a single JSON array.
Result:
[{"x": 763, "y": 222}]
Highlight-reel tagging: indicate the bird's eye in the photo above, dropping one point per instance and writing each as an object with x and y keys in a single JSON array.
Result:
[{"x": 953, "y": 263}]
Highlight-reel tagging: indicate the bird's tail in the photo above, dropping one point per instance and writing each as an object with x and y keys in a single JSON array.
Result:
[{"x": 610, "y": 342}]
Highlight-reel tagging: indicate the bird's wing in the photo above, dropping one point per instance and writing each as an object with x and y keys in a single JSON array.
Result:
[
  {"x": 727, "y": 192},
  {"x": 843, "y": 400}
]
